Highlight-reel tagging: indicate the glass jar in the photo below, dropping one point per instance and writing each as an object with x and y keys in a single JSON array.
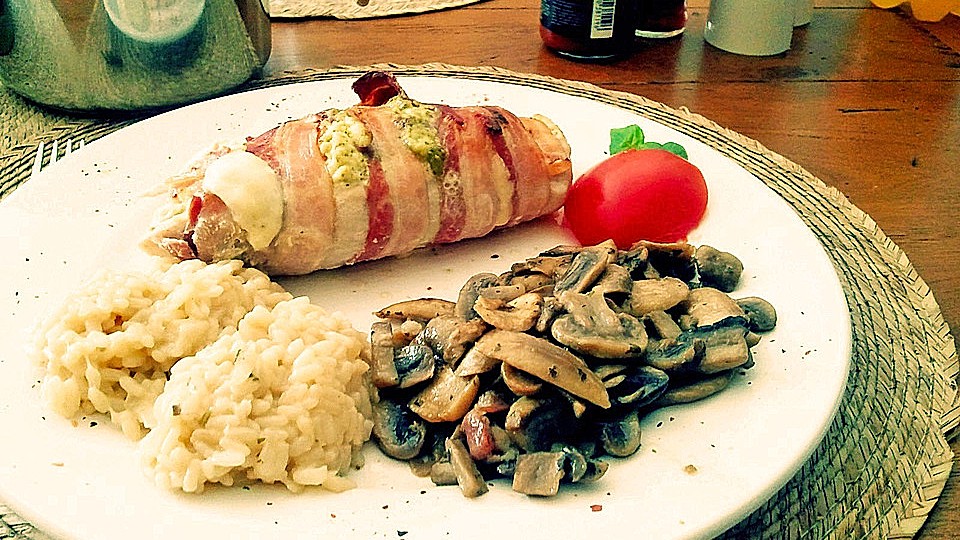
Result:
[
  {"x": 89, "y": 55},
  {"x": 587, "y": 29},
  {"x": 661, "y": 18}
]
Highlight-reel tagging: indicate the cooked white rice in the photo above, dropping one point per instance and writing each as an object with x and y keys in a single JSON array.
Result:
[
  {"x": 284, "y": 399},
  {"x": 229, "y": 377},
  {"x": 108, "y": 348}
]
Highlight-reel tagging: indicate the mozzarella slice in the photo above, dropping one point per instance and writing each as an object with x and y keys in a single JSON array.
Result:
[{"x": 252, "y": 192}]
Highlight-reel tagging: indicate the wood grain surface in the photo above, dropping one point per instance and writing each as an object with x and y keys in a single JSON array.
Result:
[{"x": 866, "y": 99}]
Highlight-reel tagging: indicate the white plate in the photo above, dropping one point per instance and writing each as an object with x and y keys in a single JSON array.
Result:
[{"x": 82, "y": 482}]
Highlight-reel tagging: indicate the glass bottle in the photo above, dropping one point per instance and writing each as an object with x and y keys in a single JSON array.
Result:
[{"x": 587, "y": 29}]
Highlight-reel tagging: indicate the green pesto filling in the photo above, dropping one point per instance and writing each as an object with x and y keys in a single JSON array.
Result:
[
  {"x": 342, "y": 142},
  {"x": 418, "y": 131}
]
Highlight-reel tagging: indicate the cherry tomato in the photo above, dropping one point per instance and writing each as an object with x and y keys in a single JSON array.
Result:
[{"x": 636, "y": 195}]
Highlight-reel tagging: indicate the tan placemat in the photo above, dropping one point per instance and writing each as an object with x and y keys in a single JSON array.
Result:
[
  {"x": 884, "y": 461},
  {"x": 358, "y": 9}
]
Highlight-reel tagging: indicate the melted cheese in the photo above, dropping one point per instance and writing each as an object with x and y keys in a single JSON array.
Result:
[
  {"x": 342, "y": 143},
  {"x": 252, "y": 192}
]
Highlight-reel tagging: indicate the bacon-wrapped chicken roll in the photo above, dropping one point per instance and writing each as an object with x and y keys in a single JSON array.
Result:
[{"x": 380, "y": 178}]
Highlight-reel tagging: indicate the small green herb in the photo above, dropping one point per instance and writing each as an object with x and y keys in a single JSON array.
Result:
[{"x": 632, "y": 137}]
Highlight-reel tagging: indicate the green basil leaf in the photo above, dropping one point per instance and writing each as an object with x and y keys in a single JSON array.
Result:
[
  {"x": 675, "y": 148},
  {"x": 624, "y": 138},
  {"x": 631, "y": 137}
]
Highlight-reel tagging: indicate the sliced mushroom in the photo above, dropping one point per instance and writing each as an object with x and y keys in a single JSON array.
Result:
[
  {"x": 607, "y": 371},
  {"x": 450, "y": 336},
  {"x": 548, "y": 264},
  {"x": 518, "y": 315},
  {"x": 442, "y": 473},
  {"x": 709, "y": 306},
  {"x": 548, "y": 313},
  {"x": 519, "y": 382},
  {"x": 725, "y": 348},
  {"x": 575, "y": 464},
  {"x": 536, "y": 424},
  {"x": 475, "y": 362},
  {"x": 635, "y": 260},
  {"x": 649, "y": 295},
  {"x": 397, "y": 430},
  {"x": 591, "y": 327},
  {"x": 696, "y": 389},
  {"x": 394, "y": 333},
  {"x": 493, "y": 401},
  {"x": 503, "y": 293},
  {"x": 469, "y": 293},
  {"x": 673, "y": 259},
  {"x": 547, "y": 361},
  {"x": 586, "y": 268},
  {"x": 662, "y": 325},
  {"x": 432, "y": 452},
  {"x": 383, "y": 370},
  {"x": 562, "y": 250},
  {"x": 621, "y": 437},
  {"x": 761, "y": 315},
  {"x": 718, "y": 269},
  {"x": 541, "y": 284},
  {"x": 468, "y": 476},
  {"x": 447, "y": 398},
  {"x": 422, "y": 309},
  {"x": 675, "y": 355},
  {"x": 414, "y": 364},
  {"x": 539, "y": 473},
  {"x": 639, "y": 386},
  {"x": 595, "y": 470},
  {"x": 615, "y": 282}
]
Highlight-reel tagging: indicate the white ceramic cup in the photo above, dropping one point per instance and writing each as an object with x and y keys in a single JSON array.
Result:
[{"x": 750, "y": 27}]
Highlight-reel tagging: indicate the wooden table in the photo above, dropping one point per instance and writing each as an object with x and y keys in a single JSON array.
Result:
[{"x": 867, "y": 100}]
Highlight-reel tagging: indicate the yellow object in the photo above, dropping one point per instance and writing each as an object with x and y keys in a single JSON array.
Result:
[{"x": 924, "y": 10}]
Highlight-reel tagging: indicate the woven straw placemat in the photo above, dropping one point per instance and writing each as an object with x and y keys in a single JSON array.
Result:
[
  {"x": 358, "y": 9},
  {"x": 884, "y": 461}
]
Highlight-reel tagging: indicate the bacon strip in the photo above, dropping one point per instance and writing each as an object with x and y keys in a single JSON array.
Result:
[
  {"x": 309, "y": 212},
  {"x": 412, "y": 189},
  {"x": 453, "y": 209},
  {"x": 527, "y": 170},
  {"x": 381, "y": 215},
  {"x": 484, "y": 178}
]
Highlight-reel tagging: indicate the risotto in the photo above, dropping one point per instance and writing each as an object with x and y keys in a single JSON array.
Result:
[
  {"x": 283, "y": 399},
  {"x": 219, "y": 372}
]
